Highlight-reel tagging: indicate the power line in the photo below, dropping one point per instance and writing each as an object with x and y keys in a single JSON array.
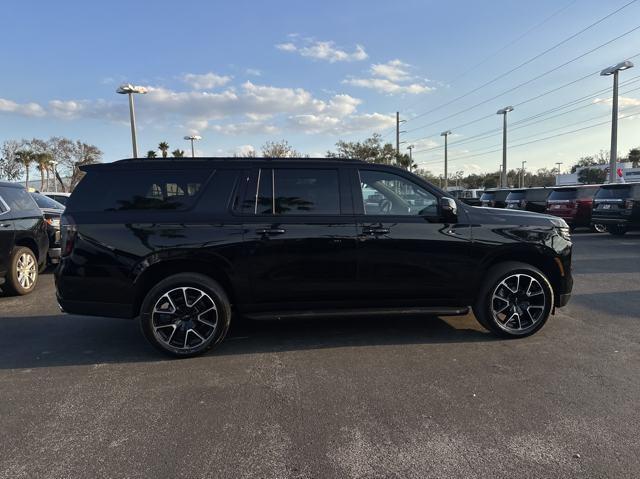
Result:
[
  {"x": 531, "y": 80},
  {"x": 526, "y": 62}
]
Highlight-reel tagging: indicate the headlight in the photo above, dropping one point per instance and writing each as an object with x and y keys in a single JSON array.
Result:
[{"x": 565, "y": 232}]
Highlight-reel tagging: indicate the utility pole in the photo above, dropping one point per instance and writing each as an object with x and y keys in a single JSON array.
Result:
[
  {"x": 446, "y": 164},
  {"x": 522, "y": 174},
  {"x": 410, "y": 148},
  {"x": 398, "y": 142},
  {"x": 558, "y": 171},
  {"x": 503, "y": 112},
  {"x": 613, "y": 157}
]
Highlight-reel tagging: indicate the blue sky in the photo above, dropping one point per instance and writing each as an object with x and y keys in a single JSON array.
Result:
[{"x": 240, "y": 73}]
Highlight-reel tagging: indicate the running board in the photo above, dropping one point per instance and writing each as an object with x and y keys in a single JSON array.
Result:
[{"x": 337, "y": 313}]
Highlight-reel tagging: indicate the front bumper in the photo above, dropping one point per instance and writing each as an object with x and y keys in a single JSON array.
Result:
[{"x": 562, "y": 300}]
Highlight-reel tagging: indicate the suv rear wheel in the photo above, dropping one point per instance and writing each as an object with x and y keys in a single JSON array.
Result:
[
  {"x": 23, "y": 271},
  {"x": 616, "y": 230},
  {"x": 516, "y": 300},
  {"x": 186, "y": 314}
]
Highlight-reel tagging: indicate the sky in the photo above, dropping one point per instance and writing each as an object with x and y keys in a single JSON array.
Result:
[{"x": 242, "y": 73}]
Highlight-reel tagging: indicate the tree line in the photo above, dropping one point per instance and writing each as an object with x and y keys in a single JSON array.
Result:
[{"x": 57, "y": 159}]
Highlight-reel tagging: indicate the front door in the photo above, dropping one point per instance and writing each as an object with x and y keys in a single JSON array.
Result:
[
  {"x": 300, "y": 237},
  {"x": 406, "y": 249}
]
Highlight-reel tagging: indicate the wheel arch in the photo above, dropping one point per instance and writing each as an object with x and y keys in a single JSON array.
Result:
[
  {"x": 160, "y": 270},
  {"x": 31, "y": 244}
]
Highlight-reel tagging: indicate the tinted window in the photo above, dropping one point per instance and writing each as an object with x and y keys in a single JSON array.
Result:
[
  {"x": 306, "y": 192},
  {"x": 138, "y": 190},
  {"x": 488, "y": 196},
  {"x": 613, "y": 192},
  {"x": 537, "y": 194},
  {"x": 395, "y": 195},
  {"x": 587, "y": 191},
  {"x": 264, "y": 203},
  {"x": 516, "y": 195},
  {"x": 59, "y": 198},
  {"x": 46, "y": 202},
  {"x": 557, "y": 195},
  {"x": 20, "y": 202},
  {"x": 3, "y": 206}
]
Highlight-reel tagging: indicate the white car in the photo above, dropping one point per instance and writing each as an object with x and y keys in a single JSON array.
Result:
[{"x": 60, "y": 197}]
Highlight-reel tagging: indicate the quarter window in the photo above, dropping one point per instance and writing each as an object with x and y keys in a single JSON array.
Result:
[{"x": 389, "y": 194}]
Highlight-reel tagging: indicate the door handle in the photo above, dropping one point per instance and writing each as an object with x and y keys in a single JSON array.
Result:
[
  {"x": 376, "y": 231},
  {"x": 270, "y": 231}
]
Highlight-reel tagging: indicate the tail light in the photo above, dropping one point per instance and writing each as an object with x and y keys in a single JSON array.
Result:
[
  {"x": 52, "y": 221},
  {"x": 628, "y": 204},
  {"x": 68, "y": 234}
]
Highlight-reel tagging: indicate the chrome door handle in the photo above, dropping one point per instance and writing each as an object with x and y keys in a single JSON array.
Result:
[{"x": 270, "y": 231}]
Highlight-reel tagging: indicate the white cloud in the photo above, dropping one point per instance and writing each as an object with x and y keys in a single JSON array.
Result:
[
  {"x": 245, "y": 128},
  {"x": 324, "y": 50},
  {"x": 394, "y": 70},
  {"x": 205, "y": 81},
  {"x": 391, "y": 78},
  {"x": 26, "y": 109},
  {"x": 253, "y": 72},
  {"x": 322, "y": 123},
  {"x": 383, "y": 85},
  {"x": 244, "y": 150}
]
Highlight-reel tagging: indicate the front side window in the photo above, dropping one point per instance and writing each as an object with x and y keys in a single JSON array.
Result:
[
  {"x": 389, "y": 194},
  {"x": 20, "y": 202},
  {"x": 297, "y": 192}
]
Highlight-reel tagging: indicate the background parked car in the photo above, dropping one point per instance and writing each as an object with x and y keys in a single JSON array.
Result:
[
  {"x": 617, "y": 206},
  {"x": 494, "y": 198},
  {"x": 23, "y": 239},
  {"x": 51, "y": 211},
  {"x": 60, "y": 197},
  {"x": 528, "y": 199},
  {"x": 471, "y": 196},
  {"x": 573, "y": 204}
]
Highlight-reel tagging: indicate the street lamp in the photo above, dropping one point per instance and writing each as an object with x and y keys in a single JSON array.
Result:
[
  {"x": 446, "y": 166},
  {"x": 613, "y": 157},
  {"x": 193, "y": 138},
  {"x": 503, "y": 175},
  {"x": 410, "y": 148},
  {"x": 558, "y": 164},
  {"x": 54, "y": 164},
  {"x": 129, "y": 89},
  {"x": 522, "y": 174}
]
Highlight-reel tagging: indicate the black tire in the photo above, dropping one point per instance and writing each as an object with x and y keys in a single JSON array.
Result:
[
  {"x": 157, "y": 320},
  {"x": 15, "y": 283},
  {"x": 616, "y": 230},
  {"x": 535, "y": 318},
  {"x": 598, "y": 228}
]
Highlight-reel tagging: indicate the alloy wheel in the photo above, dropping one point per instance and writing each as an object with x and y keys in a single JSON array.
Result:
[
  {"x": 518, "y": 303},
  {"x": 27, "y": 270},
  {"x": 184, "y": 318}
]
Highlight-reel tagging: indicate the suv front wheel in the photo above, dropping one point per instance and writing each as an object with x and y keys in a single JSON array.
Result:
[
  {"x": 186, "y": 314},
  {"x": 516, "y": 300}
]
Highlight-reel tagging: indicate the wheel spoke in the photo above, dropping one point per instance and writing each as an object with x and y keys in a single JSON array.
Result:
[{"x": 514, "y": 312}]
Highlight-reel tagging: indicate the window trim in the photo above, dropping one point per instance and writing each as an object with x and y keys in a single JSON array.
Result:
[{"x": 6, "y": 209}]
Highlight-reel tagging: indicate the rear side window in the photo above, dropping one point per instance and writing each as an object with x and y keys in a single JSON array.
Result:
[
  {"x": 613, "y": 192},
  {"x": 516, "y": 195},
  {"x": 295, "y": 191},
  {"x": 487, "y": 196},
  {"x": 46, "y": 202},
  {"x": 558, "y": 195},
  {"x": 537, "y": 194},
  {"x": 128, "y": 190},
  {"x": 20, "y": 202}
]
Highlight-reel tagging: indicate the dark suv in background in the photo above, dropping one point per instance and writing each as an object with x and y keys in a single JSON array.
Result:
[
  {"x": 51, "y": 211},
  {"x": 617, "y": 206},
  {"x": 494, "y": 198},
  {"x": 573, "y": 204},
  {"x": 528, "y": 199},
  {"x": 23, "y": 239},
  {"x": 182, "y": 243}
]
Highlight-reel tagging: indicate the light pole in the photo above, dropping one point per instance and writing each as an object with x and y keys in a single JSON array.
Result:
[
  {"x": 503, "y": 175},
  {"x": 446, "y": 166},
  {"x": 410, "y": 148},
  {"x": 55, "y": 176},
  {"x": 558, "y": 164},
  {"x": 613, "y": 157},
  {"x": 193, "y": 138},
  {"x": 522, "y": 174},
  {"x": 129, "y": 89}
]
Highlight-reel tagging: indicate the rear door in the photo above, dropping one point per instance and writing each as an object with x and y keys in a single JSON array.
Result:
[
  {"x": 300, "y": 236},
  {"x": 406, "y": 249},
  {"x": 6, "y": 234}
]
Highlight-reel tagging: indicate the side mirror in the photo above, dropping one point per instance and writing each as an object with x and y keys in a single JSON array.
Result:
[{"x": 448, "y": 206}]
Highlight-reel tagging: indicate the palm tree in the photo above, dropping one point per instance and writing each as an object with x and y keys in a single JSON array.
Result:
[
  {"x": 151, "y": 154},
  {"x": 43, "y": 161},
  {"x": 177, "y": 153},
  {"x": 25, "y": 158},
  {"x": 164, "y": 148}
]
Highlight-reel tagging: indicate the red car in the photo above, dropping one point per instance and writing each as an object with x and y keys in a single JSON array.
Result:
[{"x": 573, "y": 204}]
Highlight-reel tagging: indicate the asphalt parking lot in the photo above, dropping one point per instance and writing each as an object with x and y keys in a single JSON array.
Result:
[{"x": 418, "y": 397}]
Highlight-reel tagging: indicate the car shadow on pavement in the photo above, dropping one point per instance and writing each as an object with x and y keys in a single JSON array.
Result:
[{"x": 65, "y": 340}]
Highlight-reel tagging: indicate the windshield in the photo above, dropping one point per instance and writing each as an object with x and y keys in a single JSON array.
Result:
[
  {"x": 45, "y": 202},
  {"x": 613, "y": 192},
  {"x": 515, "y": 196},
  {"x": 558, "y": 195},
  {"x": 488, "y": 196}
]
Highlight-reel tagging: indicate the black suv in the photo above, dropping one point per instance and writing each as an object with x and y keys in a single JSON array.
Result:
[
  {"x": 182, "y": 243},
  {"x": 617, "y": 206},
  {"x": 23, "y": 239},
  {"x": 529, "y": 199},
  {"x": 494, "y": 198}
]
